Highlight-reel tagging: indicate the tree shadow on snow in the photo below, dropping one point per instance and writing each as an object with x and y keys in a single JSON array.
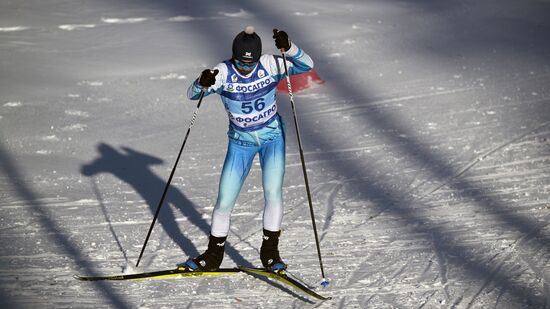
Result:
[
  {"x": 134, "y": 168},
  {"x": 42, "y": 215},
  {"x": 382, "y": 195},
  {"x": 209, "y": 35}
]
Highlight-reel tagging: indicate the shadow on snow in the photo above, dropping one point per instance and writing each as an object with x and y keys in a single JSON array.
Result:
[{"x": 133, "y": 167}]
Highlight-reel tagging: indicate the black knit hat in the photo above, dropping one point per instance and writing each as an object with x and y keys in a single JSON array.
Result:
[{"x": 247, "y": 45}]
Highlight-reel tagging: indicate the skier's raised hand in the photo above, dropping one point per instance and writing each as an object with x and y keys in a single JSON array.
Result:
[
  {"x": 208, "y": 78},
  {"x": 281, "y": 40}
]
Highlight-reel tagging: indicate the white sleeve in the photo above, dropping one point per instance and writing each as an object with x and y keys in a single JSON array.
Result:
[{"x": 297, "y": 61}]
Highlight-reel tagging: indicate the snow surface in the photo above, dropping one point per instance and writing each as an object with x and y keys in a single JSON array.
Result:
[{"x": 427, "y": 151}]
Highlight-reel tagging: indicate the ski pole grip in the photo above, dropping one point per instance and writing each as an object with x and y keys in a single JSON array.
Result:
[{"x": 275, "y": 31}]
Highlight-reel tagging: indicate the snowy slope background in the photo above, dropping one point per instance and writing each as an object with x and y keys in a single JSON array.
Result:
[{"x": 427, "y": 148}]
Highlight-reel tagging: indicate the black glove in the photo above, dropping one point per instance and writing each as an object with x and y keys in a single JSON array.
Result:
[
  {"x": 208, "y": 78},
  {"x": 281, "y": 40}
]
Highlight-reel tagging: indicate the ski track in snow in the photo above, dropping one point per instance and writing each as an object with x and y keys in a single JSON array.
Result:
[
  {"x": 428, "y": 161},
  {"x": 483, "y": 157}
]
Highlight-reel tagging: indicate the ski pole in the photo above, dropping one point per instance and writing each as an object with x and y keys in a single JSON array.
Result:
[
  {"x": 324, "y": 282},
  {"x": 170, "y": 178}
]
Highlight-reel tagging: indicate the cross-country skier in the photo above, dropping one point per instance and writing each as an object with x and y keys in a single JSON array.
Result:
[{"x": 247, "y": 85}]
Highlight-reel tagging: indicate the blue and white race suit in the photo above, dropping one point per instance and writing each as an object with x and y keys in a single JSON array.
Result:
[{"x": 254, "y": 127}]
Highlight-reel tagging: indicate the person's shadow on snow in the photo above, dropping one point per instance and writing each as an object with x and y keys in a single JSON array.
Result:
[{"x": 133, "y": 168}]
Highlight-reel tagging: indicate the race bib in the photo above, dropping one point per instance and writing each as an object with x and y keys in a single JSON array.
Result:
[{"x": 253, "y": 114}]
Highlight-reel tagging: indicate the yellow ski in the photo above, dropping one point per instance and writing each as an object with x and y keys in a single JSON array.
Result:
[
  {"x": 171, "y": 273},
  {"x": 282, "y": 277}
]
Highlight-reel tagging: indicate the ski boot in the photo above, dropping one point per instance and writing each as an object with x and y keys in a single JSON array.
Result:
[
  {"x": 211, "y": 259},
  {"x": 269, "y": 252}
]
